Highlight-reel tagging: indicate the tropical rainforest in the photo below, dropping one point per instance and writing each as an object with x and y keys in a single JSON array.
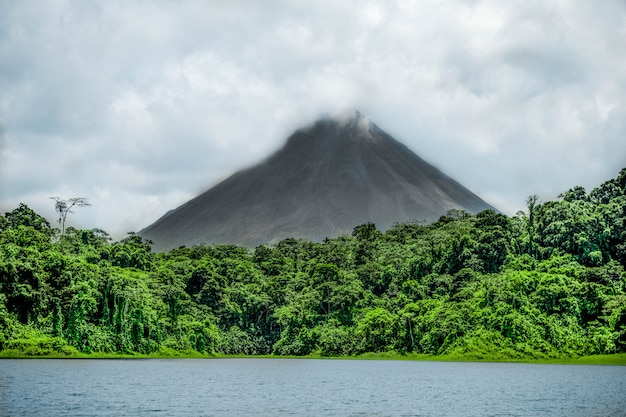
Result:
[{"x": 548, "y": 282}]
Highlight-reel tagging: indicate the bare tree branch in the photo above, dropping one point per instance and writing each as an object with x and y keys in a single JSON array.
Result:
[{"x": 63, "y": 207}]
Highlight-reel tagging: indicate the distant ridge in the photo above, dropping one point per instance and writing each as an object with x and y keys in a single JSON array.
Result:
[{"x": 328, "y": 178}]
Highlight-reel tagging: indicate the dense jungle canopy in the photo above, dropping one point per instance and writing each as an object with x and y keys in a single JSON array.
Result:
[{"x": 547, "y": 282}]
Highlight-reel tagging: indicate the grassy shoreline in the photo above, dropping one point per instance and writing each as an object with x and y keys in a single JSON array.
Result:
[{"x": 614, "y": 359}]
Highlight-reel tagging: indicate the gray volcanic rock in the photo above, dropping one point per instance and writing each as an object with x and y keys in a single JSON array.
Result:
[{"x": 327, "y": 179}]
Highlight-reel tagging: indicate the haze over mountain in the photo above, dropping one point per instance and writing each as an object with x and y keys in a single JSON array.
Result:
[{"x": 328, "y": 178}]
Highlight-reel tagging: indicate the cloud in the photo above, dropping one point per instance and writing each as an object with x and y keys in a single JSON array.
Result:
[{"x": 141, "y": 105}]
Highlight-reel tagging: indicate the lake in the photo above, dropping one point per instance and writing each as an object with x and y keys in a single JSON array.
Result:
[{"x": 306, "y": 387}]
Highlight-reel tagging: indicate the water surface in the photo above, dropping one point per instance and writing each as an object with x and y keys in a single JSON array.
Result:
[{"x": 302, "y": 387}]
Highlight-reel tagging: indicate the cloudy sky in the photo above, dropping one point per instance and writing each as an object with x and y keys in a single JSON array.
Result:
[{"x": 140, "y": 105}]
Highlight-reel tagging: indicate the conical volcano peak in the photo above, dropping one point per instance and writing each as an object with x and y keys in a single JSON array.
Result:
[{"x": 333, "y": 175}]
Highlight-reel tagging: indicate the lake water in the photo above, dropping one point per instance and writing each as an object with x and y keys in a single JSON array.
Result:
[{"x": 302, "y": 387}]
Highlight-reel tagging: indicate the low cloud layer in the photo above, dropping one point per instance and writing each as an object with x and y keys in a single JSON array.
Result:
[{"x": 138, "y": 106}]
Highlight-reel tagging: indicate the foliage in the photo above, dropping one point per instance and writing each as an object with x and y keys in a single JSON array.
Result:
[{"x": 543, "y": 284}]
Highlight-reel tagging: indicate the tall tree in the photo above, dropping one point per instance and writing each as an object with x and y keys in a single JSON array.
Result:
[{"x": 63, "y": 207}]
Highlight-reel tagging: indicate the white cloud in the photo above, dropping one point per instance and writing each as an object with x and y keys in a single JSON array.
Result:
[{"x": 141, "y": 105}]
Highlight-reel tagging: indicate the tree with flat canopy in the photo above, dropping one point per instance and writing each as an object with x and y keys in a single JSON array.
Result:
[{"x": 63, "y": 207}]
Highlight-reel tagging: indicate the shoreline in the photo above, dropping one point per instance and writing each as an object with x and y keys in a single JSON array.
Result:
[{"x": 611, "y": 359}]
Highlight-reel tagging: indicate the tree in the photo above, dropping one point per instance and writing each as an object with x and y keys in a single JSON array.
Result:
[
  {"x": 573, "y": 194},
  {"x": 376, "y": 331},
  {"x": 492, "y": 236},
  {"x": 366, "y": 231},
  {"x": 63, "y": 207},
  {"x": 25, "y": 216},
  {"x": 531, "y": 204}
]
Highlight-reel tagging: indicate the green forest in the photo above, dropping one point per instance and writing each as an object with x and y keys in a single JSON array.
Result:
[{"x": 548, "y": 282}]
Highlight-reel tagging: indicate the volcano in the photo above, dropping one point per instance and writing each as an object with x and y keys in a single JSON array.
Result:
[{"x": 328, "y": 178}]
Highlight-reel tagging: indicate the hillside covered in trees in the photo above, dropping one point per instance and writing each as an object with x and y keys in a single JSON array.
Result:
[{"x": 548, "y": 282}]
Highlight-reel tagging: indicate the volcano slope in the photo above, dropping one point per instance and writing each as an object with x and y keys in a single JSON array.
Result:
[{"x": 328, "y": 178}]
